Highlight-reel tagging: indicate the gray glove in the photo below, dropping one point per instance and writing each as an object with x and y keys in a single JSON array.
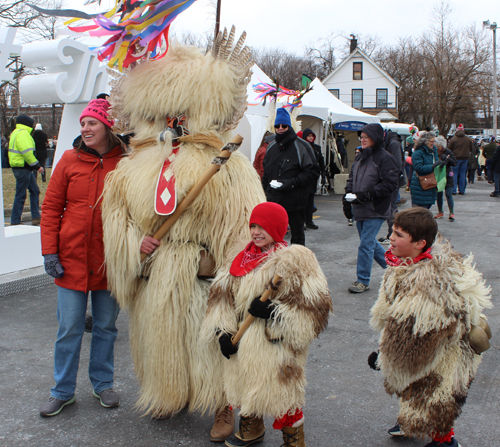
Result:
[
  {"x": 438, "y": 163},
  {"x": 52, "y": 266}
]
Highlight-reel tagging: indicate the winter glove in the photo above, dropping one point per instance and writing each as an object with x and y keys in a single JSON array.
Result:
[
  {"x": 364, "y": 196},
  {"x": 288, "y": 185},
  {"x": 261, "y": 310},
  {"x": 52, "y": 266},
  {"x": 372, "y": 361},
  {"x": 438, "y": 163},
  {"x": 226, "y": 346},
  {"x": 347, "y": 208}
]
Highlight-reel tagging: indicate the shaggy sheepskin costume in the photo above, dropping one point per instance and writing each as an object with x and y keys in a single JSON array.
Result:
[
  {"x": 267, "y": 374},
  {"x": 167, "y": 307},
  {"x": 424, "y": 312}
]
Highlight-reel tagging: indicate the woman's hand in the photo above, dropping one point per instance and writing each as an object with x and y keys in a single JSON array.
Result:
[{"x": 149, "y": 245}]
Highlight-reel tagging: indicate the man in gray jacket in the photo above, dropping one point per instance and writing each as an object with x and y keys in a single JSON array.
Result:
[{"x": 373, "y": 179}]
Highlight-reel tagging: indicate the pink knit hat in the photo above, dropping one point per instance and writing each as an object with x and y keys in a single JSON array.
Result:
[
  {"x": 98, "y": 109},
  {"x": 460, "y": 127}
]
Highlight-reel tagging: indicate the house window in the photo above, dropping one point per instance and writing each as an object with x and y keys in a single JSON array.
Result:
[
  {"x": 357, "y": 71},
  {"x": 335, "y": 92},
  {"x": 357, "y": 98},
  {"x": 381, "y": 98}
]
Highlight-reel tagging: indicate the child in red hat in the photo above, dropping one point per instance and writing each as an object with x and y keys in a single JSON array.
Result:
[{"x": 265, "y": 371}]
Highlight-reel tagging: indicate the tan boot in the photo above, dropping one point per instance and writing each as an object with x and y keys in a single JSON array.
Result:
[
  {"x": 293, "y": 436},
  {"x": 251, "y": 430},
  {"x": 223, "y": 425}
]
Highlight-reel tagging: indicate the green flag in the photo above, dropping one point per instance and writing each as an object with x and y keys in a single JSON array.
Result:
[{"x": 306, "y": 80}]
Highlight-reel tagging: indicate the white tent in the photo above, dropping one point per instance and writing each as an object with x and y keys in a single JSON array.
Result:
[{"x": 318, "y": 106}]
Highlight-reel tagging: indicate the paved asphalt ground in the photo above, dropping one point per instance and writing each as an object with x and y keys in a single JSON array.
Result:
[{"x": 346, "y": 403}]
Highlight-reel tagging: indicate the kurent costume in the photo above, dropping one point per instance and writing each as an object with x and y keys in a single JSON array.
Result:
[
  {"x": 266, "y": 377},
  {"x": 166, "y": 301},
  {"x": 424, "y": 313}
]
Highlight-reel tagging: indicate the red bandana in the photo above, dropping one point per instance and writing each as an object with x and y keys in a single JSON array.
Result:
[
  {"x": 246, "y": 260},
  {"x": 394, "y": 261}
]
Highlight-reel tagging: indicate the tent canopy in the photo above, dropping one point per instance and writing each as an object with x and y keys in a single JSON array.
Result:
[{"x": 318, "y": 103}]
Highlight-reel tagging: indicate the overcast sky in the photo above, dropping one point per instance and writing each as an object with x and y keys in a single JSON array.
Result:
[{"x": 292, "y": 24}]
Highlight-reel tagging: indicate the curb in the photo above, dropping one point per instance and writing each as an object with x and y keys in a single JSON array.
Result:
[{"x": 24, "y": 280}]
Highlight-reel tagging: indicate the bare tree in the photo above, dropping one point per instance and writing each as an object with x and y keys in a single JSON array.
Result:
[
  {"x": 282, "y": 65},
  {"x": 17, "y": 14},
  {"x": 323, "y": 56},
  {"x": 439, "y": 74}
]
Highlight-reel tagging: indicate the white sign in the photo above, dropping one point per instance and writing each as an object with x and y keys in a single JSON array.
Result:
[{"x": 73, "y": 74}]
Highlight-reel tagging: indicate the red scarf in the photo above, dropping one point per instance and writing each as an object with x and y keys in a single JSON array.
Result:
[
  {"x": 394, "y": 261},
  {"x": 246, "y": 260}
]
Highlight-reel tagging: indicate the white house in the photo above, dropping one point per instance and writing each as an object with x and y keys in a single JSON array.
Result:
[{"x": 360, "y": 83}]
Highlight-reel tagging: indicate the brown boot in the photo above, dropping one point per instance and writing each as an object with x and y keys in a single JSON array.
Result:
[
  {"x": 36, "y": 221},
  {"x": 293, "y": 436},
  {"x": 223, "y": 425},
  {"x": 251, "y": 430}
]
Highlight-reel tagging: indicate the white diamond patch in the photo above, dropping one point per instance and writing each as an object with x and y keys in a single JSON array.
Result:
[
  {"x": 168, "y": 174},
  {"x": 165, "y": 196}
]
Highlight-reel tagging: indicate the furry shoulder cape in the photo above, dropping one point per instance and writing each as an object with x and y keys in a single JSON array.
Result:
[
  {"x": 267, "y": 374},
  {"x": 424, "y": 312}
]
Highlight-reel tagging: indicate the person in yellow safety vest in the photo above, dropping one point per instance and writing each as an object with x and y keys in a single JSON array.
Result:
[{"x": 23, "y": 162}]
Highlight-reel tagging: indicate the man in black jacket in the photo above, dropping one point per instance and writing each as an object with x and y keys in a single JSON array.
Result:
[
  {"x": 373, "y": 179},
  {"x": 309, "y": 136},
  {"x": 289, "y": 170},
  {"x": 394, "y": 147}
]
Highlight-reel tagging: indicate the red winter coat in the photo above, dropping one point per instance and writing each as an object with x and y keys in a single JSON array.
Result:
[{"x": 71, "y": 224}]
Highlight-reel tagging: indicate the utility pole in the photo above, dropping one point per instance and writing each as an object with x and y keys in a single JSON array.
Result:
[{"x": 493, "y": 27}]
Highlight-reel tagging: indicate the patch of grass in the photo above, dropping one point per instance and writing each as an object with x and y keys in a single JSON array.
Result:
[{"x": 9, "y": 189}]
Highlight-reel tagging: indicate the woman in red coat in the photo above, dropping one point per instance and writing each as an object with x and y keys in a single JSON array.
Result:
[
  {"x": 73, "y": 251},
  {"x": 261, "y": 152}
]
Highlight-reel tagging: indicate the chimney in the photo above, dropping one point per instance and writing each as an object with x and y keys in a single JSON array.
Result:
[{"x": 354, "y": 43}]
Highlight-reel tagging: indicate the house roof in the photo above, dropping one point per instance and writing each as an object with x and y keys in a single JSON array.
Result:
[{"x": 368, "y": 58}]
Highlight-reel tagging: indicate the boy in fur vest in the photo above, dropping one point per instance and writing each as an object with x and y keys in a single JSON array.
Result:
[
  {"x": 265, "y": 372},
  {"x": 431, "y": 328}
]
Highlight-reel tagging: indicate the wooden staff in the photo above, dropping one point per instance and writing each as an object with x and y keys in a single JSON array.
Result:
[
  {"x": 249, "y": 320},
  {"x": 217, "y": 162}
]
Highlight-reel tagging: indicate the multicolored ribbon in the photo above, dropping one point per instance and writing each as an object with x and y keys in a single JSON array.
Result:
[
  {"x": 293, "y": 97},
  {"x": 141, "y": 29}
]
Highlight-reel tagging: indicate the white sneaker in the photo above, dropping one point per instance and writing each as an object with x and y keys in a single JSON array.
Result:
[{"x": 386, "y": 241}]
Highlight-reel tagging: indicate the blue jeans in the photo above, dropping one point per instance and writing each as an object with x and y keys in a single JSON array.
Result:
[
  {"x": 489, "y": 174},
  {"x": 71, "y": 308},
  {"x": 25, "y": 179},
  {"x": 369, "y": 248},
  {"x": 449, "y": 199},
  {"x": 496, "y": 176},
  {"x": 460, "y": 176}
]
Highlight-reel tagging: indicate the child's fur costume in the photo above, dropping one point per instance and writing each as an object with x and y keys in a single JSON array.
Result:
[
  {"x": 267, "y": 374},
  {"x": 424, "y": 313},
  {"x": 166, "y": 310}
]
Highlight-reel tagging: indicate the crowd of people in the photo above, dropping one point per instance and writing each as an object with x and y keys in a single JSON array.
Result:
[{"x": 236, "y": 335}]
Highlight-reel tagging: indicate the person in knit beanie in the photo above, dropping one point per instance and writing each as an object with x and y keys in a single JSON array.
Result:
[
  {"x": 290, "y": 168},
  {"x": 95, "y": 130},
  {"x": 279, "y": 336},
  {"x": 73, "y": 251}
]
